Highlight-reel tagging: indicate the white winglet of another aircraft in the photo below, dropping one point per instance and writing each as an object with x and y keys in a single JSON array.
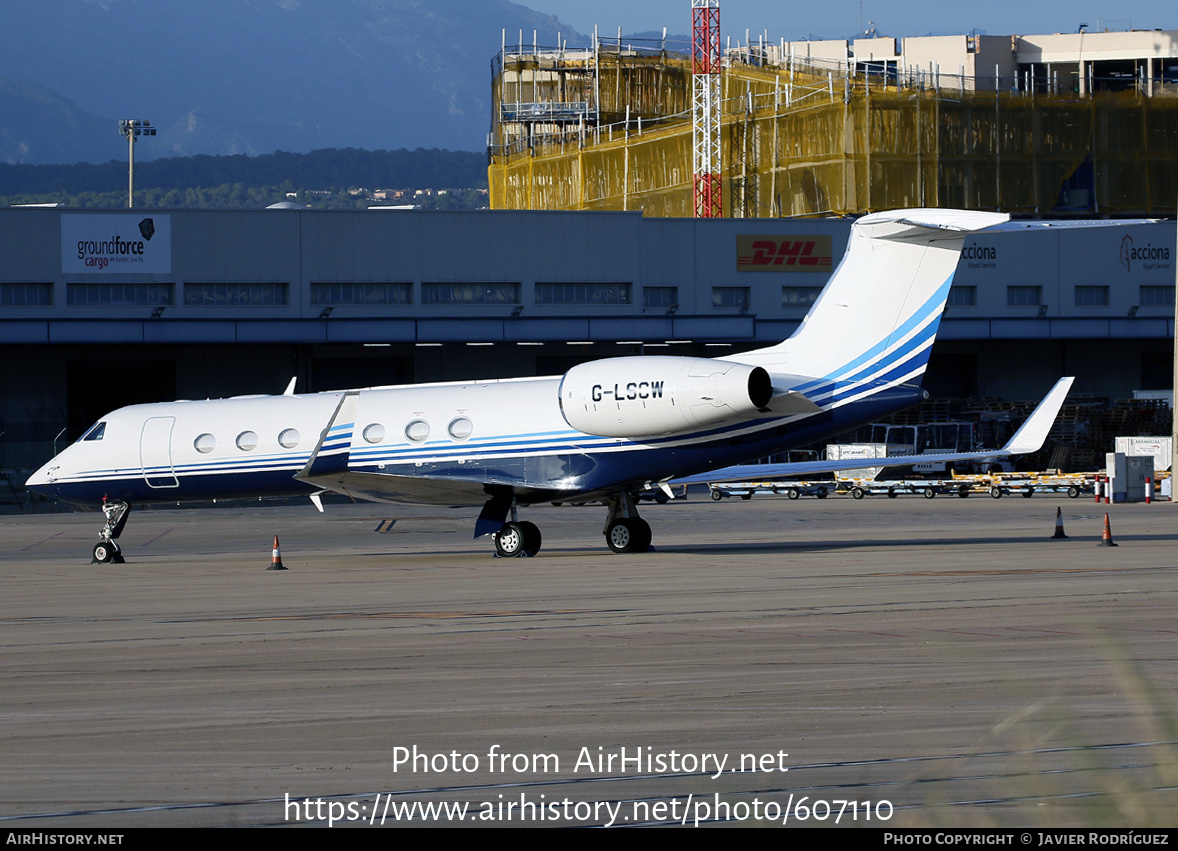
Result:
[
  {"x": 602, "y": 431},
  {"x": 1029, "y": 438}
]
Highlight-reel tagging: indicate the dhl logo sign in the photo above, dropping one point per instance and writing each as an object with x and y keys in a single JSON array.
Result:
[{"x": 783, "y": 253}]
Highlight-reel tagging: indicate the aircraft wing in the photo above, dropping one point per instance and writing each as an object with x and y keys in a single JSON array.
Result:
[{"x": 1029, "y": 438}]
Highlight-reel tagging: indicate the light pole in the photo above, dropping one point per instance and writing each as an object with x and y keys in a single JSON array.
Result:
[{"x": 131, "y": 128}]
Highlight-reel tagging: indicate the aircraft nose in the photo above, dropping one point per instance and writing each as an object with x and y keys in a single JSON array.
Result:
[{"x": 42, "y": 477}]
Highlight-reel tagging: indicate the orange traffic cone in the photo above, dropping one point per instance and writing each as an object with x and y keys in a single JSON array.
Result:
[
  {"x": 276, "y": 558},
  {"x": 1106, "y": 540},
  {"x": 1059, "y": 535}
]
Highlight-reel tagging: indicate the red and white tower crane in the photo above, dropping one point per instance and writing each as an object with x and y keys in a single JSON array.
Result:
[{"x": 705, "y": 106}]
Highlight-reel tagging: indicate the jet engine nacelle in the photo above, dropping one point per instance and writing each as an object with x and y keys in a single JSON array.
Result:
[{"x": 647, "y": 397}]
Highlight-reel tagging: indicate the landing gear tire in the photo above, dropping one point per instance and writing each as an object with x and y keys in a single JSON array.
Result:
[
  {"x": 517, "y": 539},
  {"x": 106, "y": 552},
  {"x": 628, "y": 535}
]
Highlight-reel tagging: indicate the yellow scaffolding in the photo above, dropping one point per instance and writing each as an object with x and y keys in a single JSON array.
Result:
[{"x": 799, "y": 144}]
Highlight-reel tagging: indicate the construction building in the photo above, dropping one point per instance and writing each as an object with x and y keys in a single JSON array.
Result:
[{"x": 1080, "y": 124}]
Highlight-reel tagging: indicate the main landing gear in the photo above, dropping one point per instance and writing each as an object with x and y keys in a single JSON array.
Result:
[
  {"x": 517, "y": 538},
  {"x": 625, "y": 531},
  {"x": 107, "y": 550}
]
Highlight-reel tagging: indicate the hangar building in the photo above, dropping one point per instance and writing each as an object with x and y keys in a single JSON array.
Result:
[{"x": 102, "y": 309}]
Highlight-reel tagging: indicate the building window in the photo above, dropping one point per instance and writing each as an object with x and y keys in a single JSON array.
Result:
[
  {"x": 1091, "y": 296},
  {"x": 26, "y": 295},
  {"x": 583, "y": 293},
  {"x": 490, "y": 293},
  {"x": 963, "y": 297},
  {"x": 119, "y": 295},
  {"x": 1156, "y": 295},
  {"x": 236, "y": 295},
  {"x": 660, "y": 297},
  {"x": 731, "y": 298},
  {"x": 361, "y": 293},
  {"x": 1024, "y": 296},
  {"x": 799, "y": 296}
]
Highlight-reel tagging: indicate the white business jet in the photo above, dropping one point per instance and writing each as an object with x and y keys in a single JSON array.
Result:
[{"x": 604, "y": 430}]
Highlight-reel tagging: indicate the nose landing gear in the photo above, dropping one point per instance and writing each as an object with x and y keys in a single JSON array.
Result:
[{"x": 107, "y": 550}]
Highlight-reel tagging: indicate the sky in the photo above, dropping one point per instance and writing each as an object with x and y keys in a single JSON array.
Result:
[{"x": 841, "y": 18}]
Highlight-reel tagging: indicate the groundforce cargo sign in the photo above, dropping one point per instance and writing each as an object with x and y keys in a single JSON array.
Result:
[{"x": 120, "y": 244}]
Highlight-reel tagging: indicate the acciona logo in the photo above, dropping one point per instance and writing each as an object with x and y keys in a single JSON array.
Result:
[
  {"x": 979, "y": 252},
  {"x": 1145, "y": 256}
]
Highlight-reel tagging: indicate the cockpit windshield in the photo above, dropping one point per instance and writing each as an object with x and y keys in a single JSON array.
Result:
[{"x": 95, "y": 433}]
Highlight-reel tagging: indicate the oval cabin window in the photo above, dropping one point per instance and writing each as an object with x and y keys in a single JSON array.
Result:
[
  {"x": 417, "y": 431},
  {"x": 460, "y": 428}
]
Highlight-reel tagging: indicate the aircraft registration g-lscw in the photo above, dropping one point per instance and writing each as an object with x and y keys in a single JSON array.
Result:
[{"x": 602, "y": 431}]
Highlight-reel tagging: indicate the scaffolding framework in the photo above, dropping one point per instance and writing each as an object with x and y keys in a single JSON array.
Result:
[{"x": 805, "y": 140}]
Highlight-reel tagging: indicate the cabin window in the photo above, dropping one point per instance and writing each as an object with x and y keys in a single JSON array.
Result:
[
  {"x": 289, "y": 438},
  {"x": 460, "y": 428},
  {"x": 417, "y": 431},
  {"x": 204, "y": 444},
  {"x": 374, "y": 433},
  {"x": 247, "y": 440}
]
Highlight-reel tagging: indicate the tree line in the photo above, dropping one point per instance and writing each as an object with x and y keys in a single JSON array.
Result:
[{"x": 324, "y": 179}]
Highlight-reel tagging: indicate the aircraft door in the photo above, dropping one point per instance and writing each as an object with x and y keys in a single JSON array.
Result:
[{"x": 155, "y": 453}]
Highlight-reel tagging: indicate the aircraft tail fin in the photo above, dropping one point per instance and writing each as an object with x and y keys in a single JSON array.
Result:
[{"x": 877, "y": 317}]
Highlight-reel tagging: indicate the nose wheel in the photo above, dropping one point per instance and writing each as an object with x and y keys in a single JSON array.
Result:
[{"x": 107, "y": 550}]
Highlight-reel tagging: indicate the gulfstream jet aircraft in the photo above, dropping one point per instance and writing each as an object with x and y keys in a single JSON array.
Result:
[{"x": 602, "y": 431}]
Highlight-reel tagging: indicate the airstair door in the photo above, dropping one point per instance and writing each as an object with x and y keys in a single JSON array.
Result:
[{"x": 155, "y": 453}]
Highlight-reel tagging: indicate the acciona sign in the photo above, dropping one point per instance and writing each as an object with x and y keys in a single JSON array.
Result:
[{"x": 120, "y": 244}]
